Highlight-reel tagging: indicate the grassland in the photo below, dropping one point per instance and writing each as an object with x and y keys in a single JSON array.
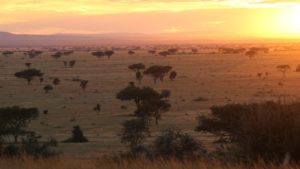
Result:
[{"x": 219, "y": 78}]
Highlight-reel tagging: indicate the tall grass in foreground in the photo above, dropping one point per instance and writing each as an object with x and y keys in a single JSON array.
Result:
[{"x": 68, "y": 163}]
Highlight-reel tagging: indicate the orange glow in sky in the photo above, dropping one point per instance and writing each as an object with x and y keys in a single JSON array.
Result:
[{"x": 204, "y": 18}]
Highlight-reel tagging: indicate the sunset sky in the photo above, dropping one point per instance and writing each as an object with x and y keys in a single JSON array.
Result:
[{"x": 207, "y": 18}]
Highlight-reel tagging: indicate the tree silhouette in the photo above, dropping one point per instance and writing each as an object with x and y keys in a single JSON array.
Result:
[
  {"x": 130, "y": 52},
  {"x": 48, "y": 88},
  {"x": 29, "y": 74},
  {"x": 97, "y": 108},
  {"x": 250, "y": 53},
  {"x": 67, "y": 53},
  {"x": 77, "y": 136},
  {"x": 56, "y": 81},
  {"x": 194, "y": 50},
  {"x": 283, "y": 69},
  {"x": 83, "y": 84},
  {"x": 65, "y": 63},
  {"x": 176, "y": 144},
  {"x": 152, "y": 52},
  {"x": 155, "y": 106},
  {"x": 57, "y": 55},
  {"x": 28, "y": 65},
  {"x": 72, "y": 63},
  {"x": 164, "y": 53},
  {"x": 109, "y": 53},
  {"x": 149, "y": 103},
  {"x": 134, "y": 132},
  {"x": 33, "y": 53},
  {"x": 98, "y": 54},
  {"x": 14, "y": 120},
  {"x": 137, "y": 67},
  {"x": 173, "y": 75},
  {"x": 172, "y": 51},
  {"x": 139, "y": 76},
  {"x": 157, "y": 72},
  {"x": 7, "y": 53}
]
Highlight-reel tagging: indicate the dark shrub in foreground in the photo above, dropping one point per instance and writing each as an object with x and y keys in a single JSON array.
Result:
[
  {"x": 267, "y": 130},
  {"x": 31, "y": 146},
  {"x": 176, "y": 144}
]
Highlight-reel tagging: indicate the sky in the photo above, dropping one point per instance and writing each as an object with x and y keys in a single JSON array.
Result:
[{"x": 201, "y": 18}]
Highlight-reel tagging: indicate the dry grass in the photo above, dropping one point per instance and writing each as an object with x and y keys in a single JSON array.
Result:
[{"x": 69, "y": 163}]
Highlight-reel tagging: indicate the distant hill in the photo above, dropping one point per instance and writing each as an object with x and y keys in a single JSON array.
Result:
[{"x": 22, "y": 40}]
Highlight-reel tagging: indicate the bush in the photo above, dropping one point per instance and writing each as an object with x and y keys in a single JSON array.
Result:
[
  {"x": 77, "y": 136},
  {"x": 267, "y": 130},
  {"x": 134, "y": 132},
  {"x": 177, "y": 144},
  {"x": 31, "y": 146}
]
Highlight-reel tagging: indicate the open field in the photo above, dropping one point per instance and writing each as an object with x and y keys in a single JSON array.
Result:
[{"x": 219, "y": 78}]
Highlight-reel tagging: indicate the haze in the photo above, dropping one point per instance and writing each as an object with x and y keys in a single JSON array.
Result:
[{"x": 214, "y": 19}]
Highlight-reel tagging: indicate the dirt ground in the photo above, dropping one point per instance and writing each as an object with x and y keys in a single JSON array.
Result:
[{"x": 219, "y": 78}]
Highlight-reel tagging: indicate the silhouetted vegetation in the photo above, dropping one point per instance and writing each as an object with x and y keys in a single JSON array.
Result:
[
  {"x": 175, "y": 144},
  {"x": 157, "y": 72},
  {"x": 266, "y": 130},
  {"x": 48, "y": 88},
  {"x": 134, "y": 132},
  {"x": 77, "y": 136},
  {"x": 283, "y": 69},
  {"x": 14, "y": 120},
  {"x": 29, "y": 74}
]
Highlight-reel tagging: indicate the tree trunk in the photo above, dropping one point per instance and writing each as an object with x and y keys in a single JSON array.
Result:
[
  {"x": 16, "y": 138},
  {"x": 156, "y": 118}
]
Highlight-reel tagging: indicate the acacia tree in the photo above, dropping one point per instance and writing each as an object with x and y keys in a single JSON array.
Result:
[
  {"x": 7, "y": 53},
  {"x": 57, "y": 55},
  {"x": 164, "y": 53},
  {"x": 131, "y": 93},
  {"x": 250, "y": 53},
  {"x": 28, "y": 65},
  {"x": 283, "y": 69},
  {"x": 83, "y": 84},
  {"x": 131, "y": 52},
  {"x": 156, "y": 105},
  {"x": 56, "y": 81},
  {"x": 137, "y": 68},
  {"x": 48, "y": 88},
  {"x": 139, "y": 76},
  {"x": 173, "y": 75},
  {"x": 98, "y": 53},
  {"x": 14, "y": 120},
  {"x": 152, "y": 52},
  {"x": 72, "y": 63},
  {"x": 157, "y": 72},
  {"x": 194, "y": 50},
  {"x": 29, "y": 74},
  {"x": 109, "y": 53},
  {"x": 65, "y": 63},
  {"x": 149, "y": 103}
]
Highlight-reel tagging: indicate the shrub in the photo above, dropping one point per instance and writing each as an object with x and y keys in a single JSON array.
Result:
[
  {"x": 134, "y": 132},
  {"x": 31, "y": 146},
  {"x": 177, "y": 144},
  {"x": 267, "y": 130},
  {"x": 77, "y": 136}
]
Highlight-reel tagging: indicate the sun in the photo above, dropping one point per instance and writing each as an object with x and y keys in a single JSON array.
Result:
[{"x": 289, "y": 21}]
